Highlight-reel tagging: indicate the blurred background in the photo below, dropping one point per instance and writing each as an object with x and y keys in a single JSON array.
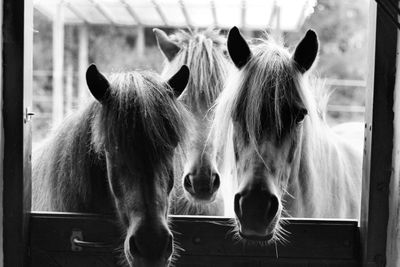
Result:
[{"x": 117, "y": 35}]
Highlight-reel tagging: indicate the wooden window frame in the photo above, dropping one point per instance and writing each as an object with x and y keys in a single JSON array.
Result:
[{"x": 29, "y": 237}]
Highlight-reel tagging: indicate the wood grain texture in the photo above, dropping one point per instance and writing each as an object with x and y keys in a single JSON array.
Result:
[
  {"x": 377, "y": 165},
  {"x": 206, "y": 241}
]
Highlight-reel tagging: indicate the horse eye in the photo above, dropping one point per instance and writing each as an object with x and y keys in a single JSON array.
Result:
[{"x": 300, "y": 115}]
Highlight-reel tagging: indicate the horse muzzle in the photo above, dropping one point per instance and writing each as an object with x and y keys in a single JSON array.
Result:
[
  {"x": 256, "y": 212},
  {"x": 202, "y": 187},
  {"x": 149, "y": 246}
]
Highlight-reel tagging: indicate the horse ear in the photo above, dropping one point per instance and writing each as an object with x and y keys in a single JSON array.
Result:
[
  {"x": 97, "y": 83},
  {"x": 238, "y": 48},
  {"x": 179, "y": 81},
  {"x": 306, "y": 51},
  {"x": 167, "y": 47}
]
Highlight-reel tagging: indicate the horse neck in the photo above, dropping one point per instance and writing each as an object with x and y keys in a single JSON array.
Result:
[
  {"x": 322, "y": 179},
  {"x": 76, "y": 174}
]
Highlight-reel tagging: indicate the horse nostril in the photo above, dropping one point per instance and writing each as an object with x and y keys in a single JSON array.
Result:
[
  {"x": 237, "y": 209},
  {"x": 273, "y": 209},
  {"x": 216, "y": 182},
  {"x": 187, "y": 183},
  {"x": 151, "y": 244}
]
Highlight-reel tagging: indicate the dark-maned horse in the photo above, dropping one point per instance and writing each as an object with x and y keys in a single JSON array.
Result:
[
  {"x": 284, "y": 156},
  {"x": 197, "y": 176},
  {"x": 116, "y": 154}
]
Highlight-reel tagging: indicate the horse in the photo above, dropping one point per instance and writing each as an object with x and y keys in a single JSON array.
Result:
[
  {"x": 284, "y": 158},
  {"x": 198, "y": 179},
  {"x": 115, "y": 155}
]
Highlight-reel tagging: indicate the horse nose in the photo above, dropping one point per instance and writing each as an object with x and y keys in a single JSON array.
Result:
[
  {"x": 256, "y": 209},
  {"x": 202, "y": 186},
  {"x": 149, "y": 244}
]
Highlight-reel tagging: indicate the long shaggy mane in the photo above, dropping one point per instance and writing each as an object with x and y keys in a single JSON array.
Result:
[
  {"x": 138, "y": 118},
  {"x": 204, "y": 53}
]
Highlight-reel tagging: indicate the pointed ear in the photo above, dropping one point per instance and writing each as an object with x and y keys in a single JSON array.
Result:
[
  {"x": 238, "y": 48},
  {"x": 97, "y": 83},
  {"x": 167, "y": 47},
  {"x": 179, "y": 81},
  {"x": 306, "y": 51}
]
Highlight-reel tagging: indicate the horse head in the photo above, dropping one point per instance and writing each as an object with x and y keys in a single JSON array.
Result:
[
  {"x": 203, "y": 52},
  {"x": 265, "y": 106},
  {"x": 137, "y": 128}
]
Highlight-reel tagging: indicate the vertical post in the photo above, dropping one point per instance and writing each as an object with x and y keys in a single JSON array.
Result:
[
  {"x": 140, "y": 42},
  {"x": 393, "y": 232},
  {"x": 378, "y": 147},
  {"x": 277, "y": 32},
  {"x": 69, "y": 89},
  {"x": 2, "y": 247},
  {"x": 83, "y": 62},
  {"x": 17, "y": 30},
  {"x": 58, "y": 63}
]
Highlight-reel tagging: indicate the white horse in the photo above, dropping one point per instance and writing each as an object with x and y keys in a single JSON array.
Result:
[
  {"x": 197, "y": 182},
  {"x": 275, "y": 143}
]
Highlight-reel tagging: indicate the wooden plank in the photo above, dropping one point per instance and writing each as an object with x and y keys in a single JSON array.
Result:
[
  {"x": 17, "y": 27},
  {"x": 377, "y": 165},
  {"x": 103, "y": 11},
  {"x": 393, "y": 232},
  {"x": 76, "y": 12},
  {"x": 1, "y": 143},
  {"x": 160, "y": 12},
  {"x": 131, "y": 11},
  {"x": 206, "y": 238}
]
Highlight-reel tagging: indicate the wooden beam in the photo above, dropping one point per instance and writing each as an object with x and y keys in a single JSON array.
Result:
[
  {"x": 185, "y": 13},
  {"x": 76, "y": 11},
  {"x": 378, "y": 147},
  {"x": 214, "y": 13},
  {"x": 160, "y": 12},
  {"x": 103, "y": 11},
  {"x": 131, "y": 12},
  {"x": 83, "y": 63},
  {"x": 393, "y": 231},
  {"x": 58, "y": 64},
  {"x": 206, "y": 241},
  {"x": 16, "y": 78},
  {"x": 44, "y": 12}
]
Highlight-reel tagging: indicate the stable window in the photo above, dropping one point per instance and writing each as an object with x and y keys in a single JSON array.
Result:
[{"x": 46, "y": 239}]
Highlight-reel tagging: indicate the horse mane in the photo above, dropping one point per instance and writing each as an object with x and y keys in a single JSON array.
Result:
[
  {"x": 254, "y": 109},
  {"x": 283, "y": 88},
  {"x": 255, "y": 98},
  {"x": 138, "y": 118},
  {"x": 204, "y": 53},
  {"x": 66, "y": 169}
]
